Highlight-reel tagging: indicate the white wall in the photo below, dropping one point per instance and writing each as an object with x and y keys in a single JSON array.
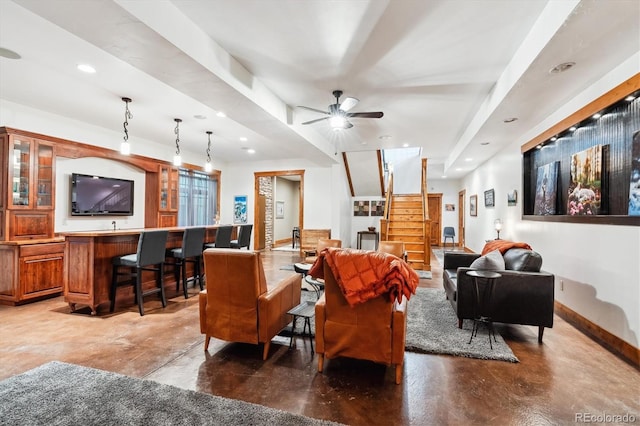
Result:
[
  {"x": 597, "y": 267},
  {"x": 64, "y": 222}
]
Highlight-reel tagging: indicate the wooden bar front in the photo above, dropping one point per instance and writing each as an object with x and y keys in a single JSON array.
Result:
[{"x": 89, "y": 268}]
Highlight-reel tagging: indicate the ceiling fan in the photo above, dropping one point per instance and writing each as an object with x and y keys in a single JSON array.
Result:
[{"x": 338, "y": 114}]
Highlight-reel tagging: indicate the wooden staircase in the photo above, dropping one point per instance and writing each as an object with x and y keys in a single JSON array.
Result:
[{"x": 406, "y": 223}]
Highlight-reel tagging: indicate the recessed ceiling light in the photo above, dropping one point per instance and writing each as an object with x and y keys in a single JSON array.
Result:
[
  {"x": 553, "y": 139},
  {"x": 565, "y": 66},
  {"x": 539, "y": 146},
  {"x": 9, "y": 54},
  {"x": 597, "y": 115},
  {"x": 629, "y": 98},
  {"x": 404, "y": 145},
  {"x": 510, "y": 119},
  {"x": 221, "y": 114},
  {"x": 86, "y": 68},
  {"x": 573, "y": 128},
  {"x": 458, "y": 169},
  {"x": 243, "y": 139},
  {"x": 468, "y": 159},
  {"x": 251, "y": 151},
  {"x": 484, "y": 143},
  {"x": 200, "y": 117},
  {"x": 444, "y": 176},
  {"x": 384, "y": 137}
]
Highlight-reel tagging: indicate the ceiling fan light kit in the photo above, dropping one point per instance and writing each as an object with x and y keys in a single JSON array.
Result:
[{"x": 338, "y": 114}]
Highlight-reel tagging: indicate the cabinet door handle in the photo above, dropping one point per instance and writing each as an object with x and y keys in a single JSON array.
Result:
[{"x": 44, "y": 260}]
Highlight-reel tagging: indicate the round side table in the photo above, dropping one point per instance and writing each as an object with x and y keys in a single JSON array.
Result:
[{"x": 482, "y": 305}]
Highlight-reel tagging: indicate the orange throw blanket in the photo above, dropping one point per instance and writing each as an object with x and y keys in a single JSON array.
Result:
[
  {"x": 503, "y": 246},
  {"x": 364, "y": 275}
]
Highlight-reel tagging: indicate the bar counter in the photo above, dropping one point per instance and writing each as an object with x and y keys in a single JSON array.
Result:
[{"x": 88, "y": 262}]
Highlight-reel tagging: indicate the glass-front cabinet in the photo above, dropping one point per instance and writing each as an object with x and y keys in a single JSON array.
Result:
[
  {"x": 30, "y": 174},
  {"x": 28, "y": 187},
  {"x": 168, "y": 189}
]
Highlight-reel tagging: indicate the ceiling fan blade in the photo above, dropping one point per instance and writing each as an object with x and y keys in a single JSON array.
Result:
[
  {"x": 316, "y": 120},
  {"x": 313, "y": 109},
  {"x": 377, "y": 114},
  {"x": 348, "y": 103}
]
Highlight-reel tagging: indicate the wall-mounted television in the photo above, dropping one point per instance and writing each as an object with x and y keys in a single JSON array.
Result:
[{"x": 100, "y": 196}]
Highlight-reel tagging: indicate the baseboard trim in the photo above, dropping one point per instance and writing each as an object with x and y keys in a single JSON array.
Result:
[{"x": 609, "y": 341}]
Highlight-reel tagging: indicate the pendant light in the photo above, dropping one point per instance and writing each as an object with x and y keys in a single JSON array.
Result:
[
  {"x": 177, "y": 160},
  {"x": 125, "y": 148},
  {"x": 208, "y": 167}
]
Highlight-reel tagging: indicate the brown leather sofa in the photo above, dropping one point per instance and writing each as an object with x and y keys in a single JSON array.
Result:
[
  {"x": 238, "y": 304},
  {"x": 522, "y": 295},
  {"x": 374, "y": 330}
]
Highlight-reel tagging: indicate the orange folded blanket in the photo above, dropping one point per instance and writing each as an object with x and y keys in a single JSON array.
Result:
[
  {"x": 364, "y": 275},
  {"x": 503, "y": 246}
]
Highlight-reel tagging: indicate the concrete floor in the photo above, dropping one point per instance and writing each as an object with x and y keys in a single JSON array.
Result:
[{"x": 569, "y": 375}]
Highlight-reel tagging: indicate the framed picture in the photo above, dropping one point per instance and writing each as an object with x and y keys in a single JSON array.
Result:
[
  {"x": 377, "y": 207},
  {"x": 240, "y": 209},
  {"x": 512, "y": 198},
  {"x": 489, "y": 198},
  {"x": 473, "y": 205},
  {"x": 634, "y": 183},
  {"x": 450, "y": 207},
  {"x": 361, "y": 208},
  {"x": 585, "y": 188},
  {"x": 546, "y": 189},
  {"x": 279, "y": 209}
]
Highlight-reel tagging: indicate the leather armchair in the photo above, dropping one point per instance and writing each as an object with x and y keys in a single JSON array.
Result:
[
  {"x": 323, "y": 243},
  {"x": 395, "y": 248},
  {"x": 374, "y": 330},
  {"x": 238, "y": 304}
]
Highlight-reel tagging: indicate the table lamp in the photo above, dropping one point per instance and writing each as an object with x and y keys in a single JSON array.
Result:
[{"x": 497, "y": 224}]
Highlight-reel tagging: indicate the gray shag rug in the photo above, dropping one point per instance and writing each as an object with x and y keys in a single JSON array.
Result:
[
  {"x": 432, "y": 327},
  {"x": 58, "y": 393}
]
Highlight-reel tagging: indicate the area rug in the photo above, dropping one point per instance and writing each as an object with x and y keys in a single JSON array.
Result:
[
  {"x": 58, "y": 393},
  {"x": 432, "y": 327}
]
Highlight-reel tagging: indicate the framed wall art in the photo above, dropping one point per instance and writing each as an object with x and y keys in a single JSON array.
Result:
[
  {"x": 473, "y": 205},
  {"x": 489, "y": 198},
  {"x": 279, "y": 209},
  {"x": 240, "y": 209},
  {"x": 361, "y": 208},
  {"x": 377, "y": 207},
  {"x": 512, "y": 198}
]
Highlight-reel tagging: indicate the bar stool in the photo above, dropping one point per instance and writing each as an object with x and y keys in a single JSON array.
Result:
[
  {"x": 223, "y": 238},
  {"x": 244, "y": 237},
  {"x": 190, "y": 252},
  {"x": 151, "y": 252}
]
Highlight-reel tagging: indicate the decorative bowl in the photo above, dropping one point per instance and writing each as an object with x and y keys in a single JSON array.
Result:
[{"x": 371, "y": 228}]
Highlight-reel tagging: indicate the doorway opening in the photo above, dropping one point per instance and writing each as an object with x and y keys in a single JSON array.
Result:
[{"x": 276, "y": 212}]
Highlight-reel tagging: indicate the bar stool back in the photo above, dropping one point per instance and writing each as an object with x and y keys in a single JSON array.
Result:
[
  {"x": 190, "y": 252},
  {"x": 148, "y": 257},
  {"x": 244, "y": 237},
  {"x": 223, "y": 237}
]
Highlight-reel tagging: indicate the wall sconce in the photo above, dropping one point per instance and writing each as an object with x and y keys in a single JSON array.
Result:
[
  {"x": 177, "y": 160},
  {"x": 125, "y": 148},
  {"x": 208, "y": 167},
  {"x": 497, "y": 224}
]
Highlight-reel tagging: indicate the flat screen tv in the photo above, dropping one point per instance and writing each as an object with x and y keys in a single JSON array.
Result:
[{"x": 100, "y": 196}]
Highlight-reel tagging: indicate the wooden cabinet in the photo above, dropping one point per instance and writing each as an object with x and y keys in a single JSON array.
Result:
[
  {"x": 28, "y": 188},
  {"x": 163, "y": 197},
  {"x": 31, "y": 271}
]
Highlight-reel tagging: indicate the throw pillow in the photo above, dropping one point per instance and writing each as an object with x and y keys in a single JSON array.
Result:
[{"x": 491, "y": 261}]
